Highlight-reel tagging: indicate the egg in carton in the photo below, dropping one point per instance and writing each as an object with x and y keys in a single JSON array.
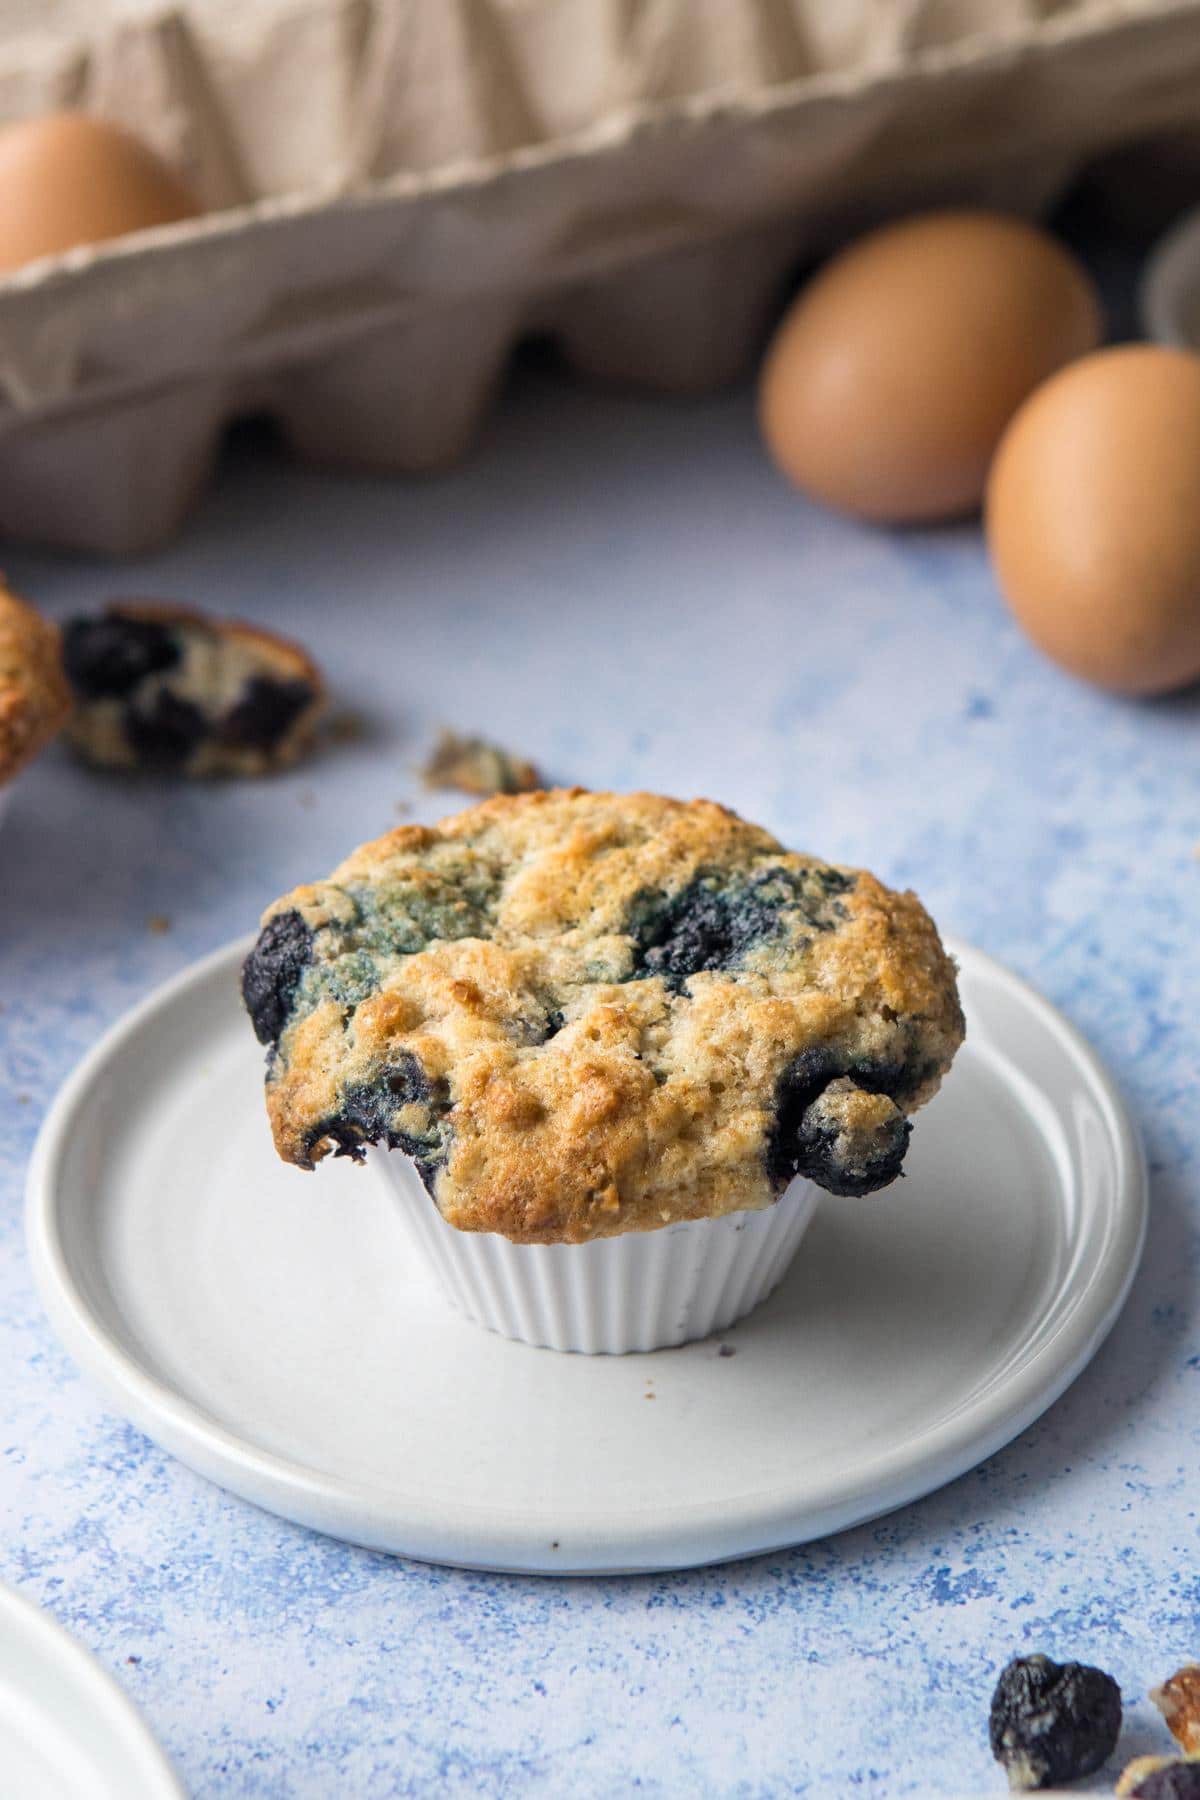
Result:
[{"x": 395, "y": 191}]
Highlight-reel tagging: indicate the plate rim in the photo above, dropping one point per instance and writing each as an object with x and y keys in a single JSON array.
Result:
[
  {"x": 681, "y": 1536},
  {"x": 118, "y": 1710}
]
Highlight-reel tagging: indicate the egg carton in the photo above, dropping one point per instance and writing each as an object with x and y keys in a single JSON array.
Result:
[{"x": 398, "y": 190}]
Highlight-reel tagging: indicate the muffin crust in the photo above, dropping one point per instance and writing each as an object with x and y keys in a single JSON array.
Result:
[{"x": 584, "y": 1014}]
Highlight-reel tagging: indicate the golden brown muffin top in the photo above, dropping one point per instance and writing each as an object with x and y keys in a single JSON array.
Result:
[{"x": 589, "y": 1013}]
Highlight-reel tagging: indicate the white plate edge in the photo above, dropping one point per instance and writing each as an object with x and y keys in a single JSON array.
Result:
[{"x": 118, "y": 1710}]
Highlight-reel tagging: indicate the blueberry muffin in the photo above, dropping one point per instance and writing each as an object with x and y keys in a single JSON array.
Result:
[
  {"x": 166, "y": 689},
  {"x": 34, "y": 698},
  {"x": 585, "y": 1014}
]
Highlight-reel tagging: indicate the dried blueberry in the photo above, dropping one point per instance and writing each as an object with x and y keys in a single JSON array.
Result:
[
  {"x": 106, "y": 658},
  {"x": 164, "y": 734},
  {"x": 265, "y": 712},
  {"x": 272, "y": 971},
  {"x": 1174, "y": 1781},
  {"x": 1053, "y": 1722}
]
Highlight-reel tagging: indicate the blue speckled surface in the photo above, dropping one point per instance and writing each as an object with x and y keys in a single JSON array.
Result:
[{"x": 623, "y": 591}]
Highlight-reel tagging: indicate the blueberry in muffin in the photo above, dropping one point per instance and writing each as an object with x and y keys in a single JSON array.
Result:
[
  {"x": 34, "y": 697},
  {"x": 583, "y": 1014},
  {"x": 166, "y": 689}
]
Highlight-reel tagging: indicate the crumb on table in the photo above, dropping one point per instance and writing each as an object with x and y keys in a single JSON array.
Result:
[
  {"x": 1178, "y": 1700},
  {"x": 346, "y": 728},
  {"x": 173, "y": 691},
  {"x": 477, "y": 766}
]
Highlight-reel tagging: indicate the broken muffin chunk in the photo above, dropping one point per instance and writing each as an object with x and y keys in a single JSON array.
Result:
[
  {"x": 166, "y": 689},
  {"x": 34, "y": 698},
  {"x": 1178, "y": 1700},
  {"x": 582, "y": 1014}
]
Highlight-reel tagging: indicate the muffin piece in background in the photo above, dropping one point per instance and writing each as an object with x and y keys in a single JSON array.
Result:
[
  {"x": 1051, "y": 1723},
  {"x": 166, "y": 689},
  {"x": 34, "y": 697}
]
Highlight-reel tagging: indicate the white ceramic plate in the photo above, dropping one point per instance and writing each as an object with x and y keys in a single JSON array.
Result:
[
  {"x": 67, "y": 1732},
  {"x": 265, "y": 1326}
]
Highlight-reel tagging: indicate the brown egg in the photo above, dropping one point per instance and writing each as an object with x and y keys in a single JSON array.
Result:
[
  {"x": 889, "y": 382},
  {"x": 69, "y": 179},
  {"x": 1093, "y": 518}
]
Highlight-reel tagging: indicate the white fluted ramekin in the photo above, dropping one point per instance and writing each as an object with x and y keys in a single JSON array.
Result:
[{"x": 644, "y": 1290}]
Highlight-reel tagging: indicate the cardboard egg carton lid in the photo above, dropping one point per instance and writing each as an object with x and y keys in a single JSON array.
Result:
[{"x": 396, "y": 190}]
